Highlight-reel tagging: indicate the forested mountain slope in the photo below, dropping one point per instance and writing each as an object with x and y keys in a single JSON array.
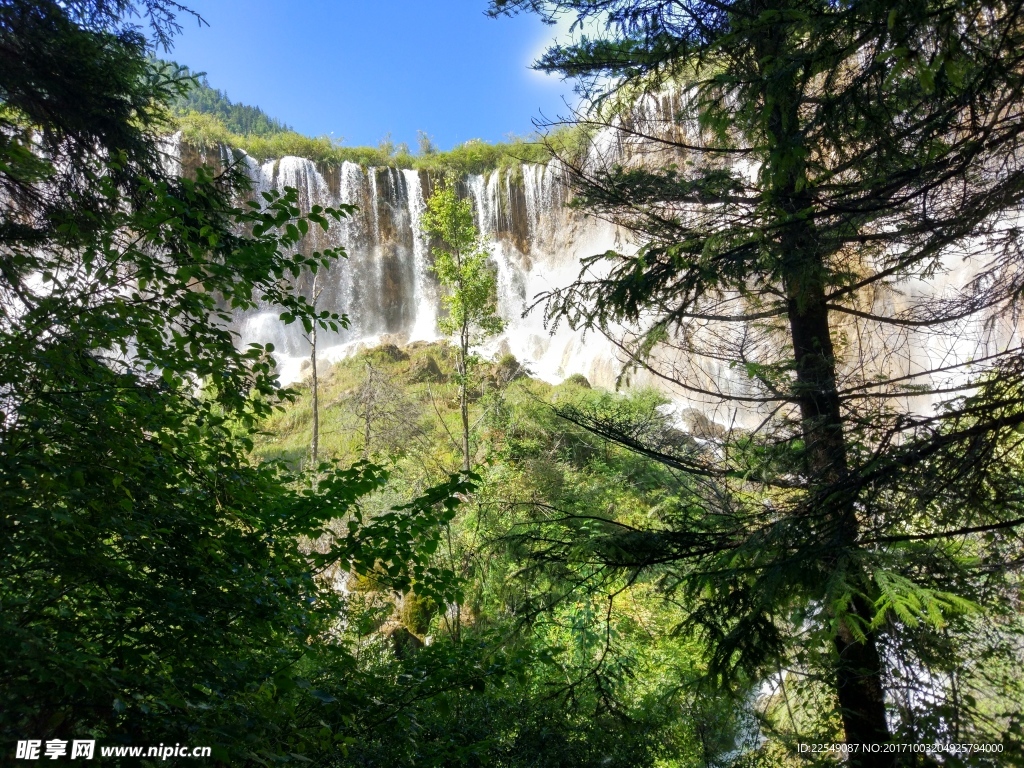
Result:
[{"x": 237, "y": 118}]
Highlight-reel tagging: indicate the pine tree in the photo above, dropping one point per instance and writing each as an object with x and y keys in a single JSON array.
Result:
[{"x": 796, "y": 173}]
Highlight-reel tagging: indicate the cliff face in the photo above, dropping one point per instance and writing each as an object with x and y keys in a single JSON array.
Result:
[
  {"x": 385, "y": 285},
  {"x": 386, "y": 288}
]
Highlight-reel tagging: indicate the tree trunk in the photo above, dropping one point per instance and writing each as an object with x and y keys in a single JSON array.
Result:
[
  {"x": 858, "y": 680},
  {"x": 861, "y": 696},
  {"x": 464, "y": 394},
  {"x": 314, "y": 448}
]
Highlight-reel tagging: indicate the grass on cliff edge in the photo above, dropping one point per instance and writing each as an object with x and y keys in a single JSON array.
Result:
[{"x": 204, "y": 131}]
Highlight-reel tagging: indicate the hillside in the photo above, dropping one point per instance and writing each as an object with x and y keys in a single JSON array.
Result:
[
  {"x": 617, "y": 690},
  {"x": 239, "y": 119}
]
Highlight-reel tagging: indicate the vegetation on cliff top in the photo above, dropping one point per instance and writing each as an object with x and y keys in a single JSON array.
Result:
[{"x": 205, "y": 131}]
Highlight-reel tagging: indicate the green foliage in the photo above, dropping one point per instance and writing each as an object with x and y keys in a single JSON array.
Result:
[
  {"x": 470, "y": 298},
  {"x": 164, "y": 577},
  {"x": 207, "y": 131},
  {"x": 169, "y": 575},
  {"x": 204, "y": 128},
  {"x": 579, "y": 380},
  {"x": 208, "y": 119},
  {"x": 238, "y": 119},
  {"x": 781, "y": 166},
  {"x": 152, "y": 575},
  {"x": 538, "y": 670},
  {"x": 462, "y": 266},
  {"x": 417, "y": 613},
  {"x": 476, "y": 156}
]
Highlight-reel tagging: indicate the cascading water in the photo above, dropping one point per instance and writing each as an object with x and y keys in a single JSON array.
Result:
[
  {"x": 425, "y": 299},
  {"x": 385, "y": 285},
  {"x": 387, "y": 289}
]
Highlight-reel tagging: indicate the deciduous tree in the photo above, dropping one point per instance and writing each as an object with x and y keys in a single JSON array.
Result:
[
  {"x": 151, "y": 580},
  {"x": 470, "y": 300}
]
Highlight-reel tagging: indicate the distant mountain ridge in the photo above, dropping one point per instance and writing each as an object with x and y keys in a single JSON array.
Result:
[{"x": 241, "y": 119}]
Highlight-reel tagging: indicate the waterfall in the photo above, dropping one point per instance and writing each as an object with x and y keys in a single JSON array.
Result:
[
  {"x": 374, "y": 210},
  {"x": 508, "y": 201},
  {"x": 477, "y": 188},
  {"x": 374, "y": 244},
  {"x": 533, "y": 192},
  {"x": 493, "y": 201},
  {"x": 425, "y": 326},
  {"x": 386, "y": 287}
]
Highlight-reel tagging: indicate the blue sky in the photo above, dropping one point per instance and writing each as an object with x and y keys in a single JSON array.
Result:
[{"x": 359, "y": 69}]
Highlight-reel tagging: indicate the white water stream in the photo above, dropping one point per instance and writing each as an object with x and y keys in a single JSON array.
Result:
[{"x": 387, "y": 289}]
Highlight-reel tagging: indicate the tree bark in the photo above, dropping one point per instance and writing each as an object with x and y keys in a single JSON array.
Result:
[
  {"x": 464, "y": 394},
  {"x": 858, "y": 675},
  {"x": 858, "y": 680},
  {"x": 314, "y": 448}
]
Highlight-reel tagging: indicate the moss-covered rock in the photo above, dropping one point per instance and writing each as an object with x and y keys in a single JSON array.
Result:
[
  {"x": 578, "y": 380},
  {"x": 424, "y": 368},
  {"x": 507, "y": 370},
  {"x": 403, "y": 642},
  {"x": 416, "y": 613}
]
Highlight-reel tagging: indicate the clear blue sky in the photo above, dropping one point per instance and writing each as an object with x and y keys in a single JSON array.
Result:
[{"x": 359, "y": 69}]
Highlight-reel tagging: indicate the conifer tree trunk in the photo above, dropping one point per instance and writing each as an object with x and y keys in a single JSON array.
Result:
[
  {"x": 858, "y": 675},
  {"x": 858, "y": 680},
  {"x": 464, "y": 394}
]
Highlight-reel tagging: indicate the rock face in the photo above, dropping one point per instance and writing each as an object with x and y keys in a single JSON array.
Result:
[{"x": 385, "y": 285}]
